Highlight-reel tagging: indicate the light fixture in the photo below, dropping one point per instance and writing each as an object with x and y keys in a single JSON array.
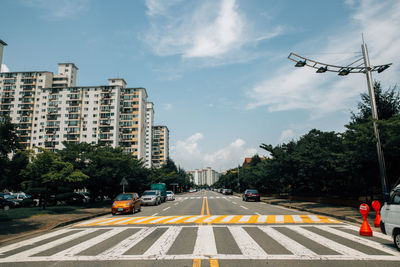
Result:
[
  {"x": 382, "y": 68},
  {"x": 300, "y": 63},
  {"x": 322, "y": 69},
  {"x": 344, "y": 72}
]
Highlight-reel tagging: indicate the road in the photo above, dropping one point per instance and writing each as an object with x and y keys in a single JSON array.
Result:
[{"x": 205, "y": 229}]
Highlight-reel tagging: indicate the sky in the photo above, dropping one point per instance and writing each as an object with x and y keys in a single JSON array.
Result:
[{"x": 216, "y": 70}]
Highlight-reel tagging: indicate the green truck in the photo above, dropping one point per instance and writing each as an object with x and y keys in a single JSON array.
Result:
[{"x": 163, "y": 189}]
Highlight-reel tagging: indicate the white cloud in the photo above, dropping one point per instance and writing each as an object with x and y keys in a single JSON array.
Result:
[
  {"x": 188, "y": 154},
  {"x": 167, "y": 107},
  {"x": 290, "y": 89},
  {"x": 59, "y": 9},
  {"x": 206, "y": 29},
  {"x": 4, "y": 68},
  {"x": 286, "y": 135}
]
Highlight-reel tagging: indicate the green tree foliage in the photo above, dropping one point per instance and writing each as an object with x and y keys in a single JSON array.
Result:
[
  {"x": 169, "y": 173},
  {"x": 328, "y": 163}
]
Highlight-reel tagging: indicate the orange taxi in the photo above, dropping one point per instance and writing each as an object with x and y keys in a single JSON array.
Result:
[{"x": 126, "y": 203}]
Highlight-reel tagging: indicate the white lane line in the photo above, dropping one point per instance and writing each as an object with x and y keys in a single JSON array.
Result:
[
  {"x": 217, "y": 197},
  {"x": 314, "y": 218},
  {"x": 262, "y": 219},
  {"x": 166, "y": 208},
  {"x": 194, "y": 218},
  {"x": 245, "y": 218},
  {"x": 209, "y": 219},
  {"x": 176, "y": 204},
  {"x": 205, "y": 242},
  {"x": 228, "y": 218},
  {"x": 358, "y": 239},
  {"x": 376, "y": 234},
  {"x": 291, "y": 245},
  {"x": 33, "y": 240},
  {"x": 52, "y": 244},
  {"x": 89, "y": 243},
  {"x": 246, "y": 244},
  {"x": 234, "y": 202},
  {"x": 279, "y": 219},
  {"x": 198, "y": 197},
  {"x": 191, "y": 197},
  {"x": 164, "y": 243},
  {"x": 297, "y": 218},
  {"x": 155, "y": 214},
  {"x": 342, "y": 249},
  {"x": 244, "y": 207},
  {"x": 160, "y": 219},
  {"x": 257, "y": 213},
  {"x": 176, "y": 219},
  {"x": 125, "y": 245}
]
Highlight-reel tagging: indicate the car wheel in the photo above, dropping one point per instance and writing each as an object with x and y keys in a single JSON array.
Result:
[
  {"x": 140, "y": 208},
  {"x": 396, "y": 239},
  {"x": 113, "y": 214}
]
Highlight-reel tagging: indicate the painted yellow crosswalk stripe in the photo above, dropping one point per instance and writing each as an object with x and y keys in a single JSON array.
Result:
[{"x": 215, "y": 219}]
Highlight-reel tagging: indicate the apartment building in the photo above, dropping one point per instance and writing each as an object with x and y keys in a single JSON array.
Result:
[
  {"x": 149, "y": 133},
  {"x": 207, "y": 176},
  {"x": 160, "y": 146}
]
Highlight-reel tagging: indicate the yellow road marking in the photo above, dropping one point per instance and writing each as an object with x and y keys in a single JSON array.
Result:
[
  {"x": 196, "y": 262},
  {"x": 214, "y": 263},
  {"x": 218, "y": 219}
]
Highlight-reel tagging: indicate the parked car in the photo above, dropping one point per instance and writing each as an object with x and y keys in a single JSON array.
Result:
[
  {"x": 228, "y": 192},
  {"x": 170, "y": 195},
  {"x": 251, "y": 194},
  {"x": 151, "y": 197},
  {"x": 126, "y": 203},
  {"x": 86, "y": 196},
  {"x": 390, "y": 216},
  {"x": 6, "y": 204}
]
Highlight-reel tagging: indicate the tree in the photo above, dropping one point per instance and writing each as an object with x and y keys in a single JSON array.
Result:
[{"x": 387, "y": 104}]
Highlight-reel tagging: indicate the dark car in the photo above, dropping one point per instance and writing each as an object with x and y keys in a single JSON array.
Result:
[
  {"x": 251, "y": 194},
  {"x": 228, "y": 192},
  {"x": 126, "y": 203},
  {"x": 6, "y": 204}
]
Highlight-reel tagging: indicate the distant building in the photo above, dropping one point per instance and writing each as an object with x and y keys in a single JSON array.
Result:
[
  {"x": 160, "y": 145},
  {"x": 149, "y": 134},
  {"x": 2, "y": 44},
  {"x": 207, "y": 176}
]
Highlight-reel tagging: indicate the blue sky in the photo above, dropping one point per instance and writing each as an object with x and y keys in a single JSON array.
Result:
[{"x": 217, "y": 71}]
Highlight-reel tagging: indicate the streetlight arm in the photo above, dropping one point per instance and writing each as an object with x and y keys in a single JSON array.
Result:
[{"x": 335, "y": 68}]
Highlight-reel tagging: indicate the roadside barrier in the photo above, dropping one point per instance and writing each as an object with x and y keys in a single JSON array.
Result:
[{"x": 365, "y": 229}]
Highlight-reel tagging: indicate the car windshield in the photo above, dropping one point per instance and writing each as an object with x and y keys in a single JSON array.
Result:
[
  {"x": 228, "y": 190},
  {"x": 149, "y": 193},
  {"x": 252, "y": 191},
  {"x": 169, "y": 192},
  {"x": 123, "y": 197}
]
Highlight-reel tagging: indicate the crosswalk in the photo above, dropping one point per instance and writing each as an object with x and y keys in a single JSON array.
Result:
[
  {"x": 262, "y": 242},
  {"x": 212, "y": 197},
  {"x": 212, "y": 219}
]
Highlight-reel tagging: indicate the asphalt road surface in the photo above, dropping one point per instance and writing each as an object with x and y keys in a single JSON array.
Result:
[{"x": 205, "y": 229}]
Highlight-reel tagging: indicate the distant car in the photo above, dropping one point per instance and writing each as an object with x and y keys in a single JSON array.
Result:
[
  {"x": 170, "y": 195},
  {"x": 6, "y": 204},
  {"x": 251, "y": 194},
  {"x": 86, "y": 196},
  {"x": 151, "y": 197},
  {"x": 126, "y": 203},
  {"x": 220, "y": 190},
  {"x": 228, "y": 192},
  {"x": 192, "y": 190}
]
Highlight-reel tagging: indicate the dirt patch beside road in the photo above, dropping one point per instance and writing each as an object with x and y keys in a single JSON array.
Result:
[{"x": 19, "y": 228}]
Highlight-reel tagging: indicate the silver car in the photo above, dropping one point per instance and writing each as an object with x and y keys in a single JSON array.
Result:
[{"x": 151, "y": 197}]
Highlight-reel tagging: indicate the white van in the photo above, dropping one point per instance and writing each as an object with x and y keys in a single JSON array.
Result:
[{"x": 390, "y": 216}]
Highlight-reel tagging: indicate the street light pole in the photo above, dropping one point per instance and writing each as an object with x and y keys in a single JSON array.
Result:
[
  {"x": 343, "y": 71},
  {"x": 381, "y": 159}
]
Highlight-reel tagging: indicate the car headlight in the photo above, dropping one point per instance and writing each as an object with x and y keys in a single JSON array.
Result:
[
  {"x": 128, "y": 204},
  {"x": 113, "y": 204}
]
